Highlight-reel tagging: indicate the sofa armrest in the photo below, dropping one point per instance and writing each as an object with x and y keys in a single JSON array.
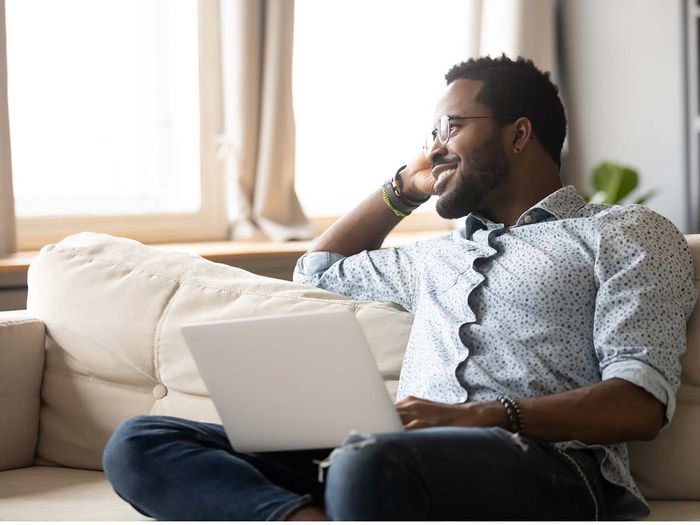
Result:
[{"x": 21, "y": 369}]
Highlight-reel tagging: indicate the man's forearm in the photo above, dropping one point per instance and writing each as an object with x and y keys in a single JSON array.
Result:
[
  {"x": 611, "y": 411},
  {"x": 364, "y": 228}
]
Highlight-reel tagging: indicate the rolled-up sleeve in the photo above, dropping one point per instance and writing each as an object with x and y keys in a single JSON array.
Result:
[
  {"x": 379, "y": 275},
  {"x": 646, "y": 294}
]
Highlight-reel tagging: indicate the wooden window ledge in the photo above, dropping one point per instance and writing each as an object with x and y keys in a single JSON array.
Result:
[{"x": 227, "y": 252}]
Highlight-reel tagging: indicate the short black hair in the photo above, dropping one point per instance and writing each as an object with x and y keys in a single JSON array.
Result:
[{"x": 517, "y": 88}]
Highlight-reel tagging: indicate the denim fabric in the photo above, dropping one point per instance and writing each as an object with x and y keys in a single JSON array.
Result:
[{"x": 173, "y": 469}]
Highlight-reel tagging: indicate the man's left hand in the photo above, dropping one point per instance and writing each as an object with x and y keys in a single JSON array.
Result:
[{"x": 422, "y": 413}]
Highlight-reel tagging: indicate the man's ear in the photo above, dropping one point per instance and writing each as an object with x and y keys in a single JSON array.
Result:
[{"x": 521, "y": 134}]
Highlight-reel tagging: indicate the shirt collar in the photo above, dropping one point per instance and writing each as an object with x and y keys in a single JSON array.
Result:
[{"x": 562, "y": 204}]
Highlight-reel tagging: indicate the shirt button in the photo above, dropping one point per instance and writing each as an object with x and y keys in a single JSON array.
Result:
[
  {"x": 527, "y": 219},
  {"x": 160, "y": 391}
]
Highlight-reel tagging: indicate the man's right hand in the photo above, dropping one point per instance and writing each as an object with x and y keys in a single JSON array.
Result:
[{"x": 417, "y": 178}]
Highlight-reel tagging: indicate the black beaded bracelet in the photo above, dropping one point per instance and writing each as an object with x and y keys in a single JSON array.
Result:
[
  {"x": 515, "y": 415},
  {"x": 397, "y": 185}
]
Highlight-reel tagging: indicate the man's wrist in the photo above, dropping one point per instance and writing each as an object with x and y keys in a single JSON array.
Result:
[
  {"x": 494, "y": 415},
  {"x": 404, "y": 181}
]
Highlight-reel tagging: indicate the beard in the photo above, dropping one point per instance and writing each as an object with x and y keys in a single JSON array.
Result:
[{"x": 483, "y": 171}]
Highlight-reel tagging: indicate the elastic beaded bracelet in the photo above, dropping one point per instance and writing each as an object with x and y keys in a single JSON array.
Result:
[{"x": 513, "y": 412}]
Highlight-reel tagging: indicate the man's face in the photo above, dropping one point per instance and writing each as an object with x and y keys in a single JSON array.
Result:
[{"x": 474, "y": 162}]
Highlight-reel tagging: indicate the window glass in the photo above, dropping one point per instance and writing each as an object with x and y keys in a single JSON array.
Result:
[
  {"x": 104, "y": 106},
  {"x": 367, "y": 75}
]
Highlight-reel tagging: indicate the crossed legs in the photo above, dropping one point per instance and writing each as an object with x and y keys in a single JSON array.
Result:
[{"x": 174, "y": 469}]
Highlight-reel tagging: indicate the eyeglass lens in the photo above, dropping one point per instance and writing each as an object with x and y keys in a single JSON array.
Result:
[{"x": 441, "y": 133}]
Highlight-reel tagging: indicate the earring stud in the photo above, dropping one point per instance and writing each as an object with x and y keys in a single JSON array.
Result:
[{"x": 516, "y": 150}]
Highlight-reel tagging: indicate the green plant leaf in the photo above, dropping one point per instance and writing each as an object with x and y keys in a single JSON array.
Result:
[
  {"x": 599, "y": 197},
  {"x": 615, "y": 181}
]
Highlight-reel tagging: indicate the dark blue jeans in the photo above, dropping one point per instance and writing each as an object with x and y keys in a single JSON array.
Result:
[{"x": 173, "y": 469}]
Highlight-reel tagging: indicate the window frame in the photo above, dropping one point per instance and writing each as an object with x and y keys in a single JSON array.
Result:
[{"x": 211, "y": 221}]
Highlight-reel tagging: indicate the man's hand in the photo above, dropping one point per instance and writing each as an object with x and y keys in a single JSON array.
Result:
[
  {"x": 417, "y": 178},
  {"x": 422, "y": 413}
]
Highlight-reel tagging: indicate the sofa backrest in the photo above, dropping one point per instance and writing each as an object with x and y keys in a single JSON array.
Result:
[
  {"x": 113, "y": 310},
  {"x": 669, "y": 466},
  {"x": 113, "y": 307}
]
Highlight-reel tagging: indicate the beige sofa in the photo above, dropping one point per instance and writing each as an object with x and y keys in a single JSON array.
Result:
[{"x": 100, "y": 342}]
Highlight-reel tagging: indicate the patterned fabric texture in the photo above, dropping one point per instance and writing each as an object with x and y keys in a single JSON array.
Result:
[{"x": 572, "y": 294}]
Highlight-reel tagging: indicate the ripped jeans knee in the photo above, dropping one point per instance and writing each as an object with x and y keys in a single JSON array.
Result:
[
  {"x": 369, "y": 477},
  {"x": 354, "y": 441}
]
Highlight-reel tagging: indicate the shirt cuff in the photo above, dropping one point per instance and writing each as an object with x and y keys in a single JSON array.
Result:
[
  {"x": 314, "y": 263},
  {"x": 646, "y": 377}
]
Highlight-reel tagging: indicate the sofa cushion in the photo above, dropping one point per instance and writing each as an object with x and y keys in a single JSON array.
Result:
[
  {"x": 113, "y": 309},
  {"x": 667, "y": 468},
  {"x": 671, "y": 510},
  {"x": 58, "y": 494},
  {"x": 21, "y": 367}
]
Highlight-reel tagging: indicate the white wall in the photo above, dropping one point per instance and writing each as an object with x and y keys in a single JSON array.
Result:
[{"x": 624, "y": 92}]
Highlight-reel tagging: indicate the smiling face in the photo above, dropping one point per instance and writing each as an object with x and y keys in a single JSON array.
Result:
[{"x": 474, "y": 163}]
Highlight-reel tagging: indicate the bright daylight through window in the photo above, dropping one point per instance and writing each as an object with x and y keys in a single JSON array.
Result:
[
  {"x": 104, "y": 106},
  {"x": 367, "y": 75}
]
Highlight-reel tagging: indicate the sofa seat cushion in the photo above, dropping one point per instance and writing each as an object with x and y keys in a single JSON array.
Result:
[
  {"x": 669, "y": 510},
  {"x": 60, "y": 494},
  {"x": 56, "y": 494},
  {"x": 113, "y": 309}
]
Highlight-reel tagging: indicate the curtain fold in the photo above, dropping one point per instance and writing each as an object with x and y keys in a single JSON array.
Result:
[
  {"x": 259, "y": 137},
  {"x": 524, "y": 28},
  {"x": 8, "y": 232},
  {"x": 258, "y": 141}
]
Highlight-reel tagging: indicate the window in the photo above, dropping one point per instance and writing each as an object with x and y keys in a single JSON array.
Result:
[
  {"x": 105, "y": 119},
  {"x": 367, "y": 75}
]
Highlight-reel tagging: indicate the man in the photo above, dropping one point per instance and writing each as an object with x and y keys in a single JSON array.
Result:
[{"x": 547, "y": 333}]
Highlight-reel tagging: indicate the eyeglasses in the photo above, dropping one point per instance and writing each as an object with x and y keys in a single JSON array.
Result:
[{"x": 444, "y": 130}]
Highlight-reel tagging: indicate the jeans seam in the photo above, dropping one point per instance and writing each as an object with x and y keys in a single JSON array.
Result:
[{"x": 586, "y": 481}]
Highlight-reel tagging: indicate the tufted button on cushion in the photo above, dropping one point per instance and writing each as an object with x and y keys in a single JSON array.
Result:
[{"x": 160, "y": 391}]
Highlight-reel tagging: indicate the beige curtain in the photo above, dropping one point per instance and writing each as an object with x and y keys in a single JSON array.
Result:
[
  {"x": 7, "y": 206},
  {"x": 259, "y": 137},
  {"x": 517, "y": 28}
]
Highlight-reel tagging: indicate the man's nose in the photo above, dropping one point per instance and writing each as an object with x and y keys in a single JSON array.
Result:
[{"x": 437, "y": 149}]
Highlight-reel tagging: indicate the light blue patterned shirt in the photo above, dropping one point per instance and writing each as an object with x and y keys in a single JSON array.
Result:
[{"x": 572, "y": 294}]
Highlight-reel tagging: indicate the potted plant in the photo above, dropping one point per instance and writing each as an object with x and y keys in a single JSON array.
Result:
[{"x": 612, "y": 183}]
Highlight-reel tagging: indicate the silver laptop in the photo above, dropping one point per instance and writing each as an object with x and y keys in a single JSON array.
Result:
[{"x": 291, "y": 382}]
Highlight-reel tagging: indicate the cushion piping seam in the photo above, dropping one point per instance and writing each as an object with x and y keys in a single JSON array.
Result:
[{"x": 3, "y": 324}]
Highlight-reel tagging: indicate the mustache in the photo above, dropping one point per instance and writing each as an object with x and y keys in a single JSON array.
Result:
[{"x": 440, "y": 159}]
